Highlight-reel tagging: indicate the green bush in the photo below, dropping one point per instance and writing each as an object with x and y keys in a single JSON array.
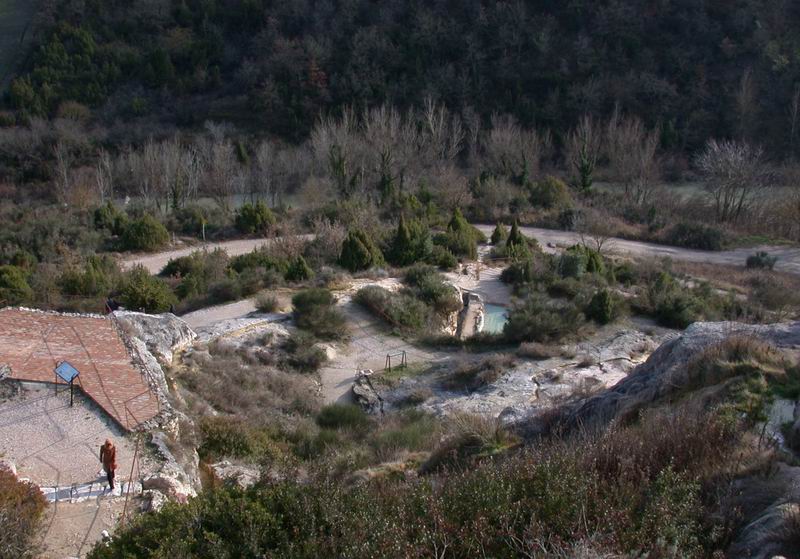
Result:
[
  {"x": 144, "y": 292},
  {"x": 430, "y": 287},
  {"x": 579, "y": 260},
  {"x": 342, "y": 416},
  {"x": 443, "y": 258},
  {"x": 299, "y": 270},
  {"x": 304, "y": 355},
  {"x": 145, "y": 233},
  {"x": 460, "y": 238},
  {"x": 254, "y": 218},
  {"x": 259, "y": 258},
  {"x": 412, "y": 243},
  {"x": 14, "y": 288},
  {"x": 110, "y": 218},
  {"x": 224, "y": 290},
  {"x": 696, "y": 236},
  {"x": 315, "y": 310},
  {"x": 94, "y": 279},
  {"x": 266, "y": 303},
  {"x": 603, "y": 308},
  {"x": 360, "y": 253},
  {"x": 761, "y": 261},
  {"x": 550, "y": 193},
  {"x": 499, "y": 235},
  {"x": 518, "y": 272},
  {"x": 538, "y": 319},
  {"x": 399, "y": 309},
  {"x": 646, "y": 488}
]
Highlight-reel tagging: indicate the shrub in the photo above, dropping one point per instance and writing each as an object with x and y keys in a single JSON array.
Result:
[
  {"x": 22, "y": 508},
  {"x": 110, "y": 218},
  {"x": 412, "y": 243},
  {"x": 144, "y": 292},
  {"x": 304, "y": 355},
  {"x": 499, "y": 235},
  {"x": 678, "y": 309},
  {"x": 299, "y": 270},
  {"x": 145, "y": 233},
  {"x": 260, "y": 258},
  {"x": 315, "y": 310},
  {"x": 227, "y": 289},
  {"x": 429, "y": 286},
  {"x": 266, "y": 303},
  {"x": 536, "y": 319},
  {"x": 254, "y": 218},
  {"x": 95, "y": 279},
  {"x": 473, "y": 376},
  {"x": 360, "y": 253},
  {"x": 342, "y": 416},
  {"x": 443, "y": 258},
  {"x": 603, "y": 308},
  {"x": 460, "y": 238},
  {"x": 398, "y": 309},
  {"x": 549, "y": 193},
  {"x": 761, "y": 261},
  {"x": 696, "y": 236},
  {"x": 14, "y": 288}
]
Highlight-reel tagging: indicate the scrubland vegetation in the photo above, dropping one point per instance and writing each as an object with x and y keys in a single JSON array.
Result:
[{"x": 366, "y": 140}]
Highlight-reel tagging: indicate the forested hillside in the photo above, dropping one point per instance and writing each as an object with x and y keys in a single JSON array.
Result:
[{"x": 699, "y": 68}]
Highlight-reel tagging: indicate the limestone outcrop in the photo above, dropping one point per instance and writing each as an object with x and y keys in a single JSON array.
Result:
[{"x": 665, "y": 371}]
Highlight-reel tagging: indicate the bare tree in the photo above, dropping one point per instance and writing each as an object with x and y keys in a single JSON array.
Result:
[
  {"x": 735, "y": 174},
  {"x": 794, "y": 114},
  {"x": 594, "y": 229},
  {"x": 514, "y": 151},
  {"x": 583, "y": 149},
  {"x": 442, "y": 134},
  {"x": 222, "y": 176},
  {"x": 104, "y": 177},
  {"x": 631, "y": 151},
  {"x": 261, "y": 179},
  {"x": 746, "y": 104},
  {"x": 63, "y": 162}
]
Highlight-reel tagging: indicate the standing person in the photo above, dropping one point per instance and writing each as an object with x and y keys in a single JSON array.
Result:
[{"x": 108, "y": 457}]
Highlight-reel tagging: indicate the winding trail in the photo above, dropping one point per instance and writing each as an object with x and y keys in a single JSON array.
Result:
[{"x": 788, "y": 256}]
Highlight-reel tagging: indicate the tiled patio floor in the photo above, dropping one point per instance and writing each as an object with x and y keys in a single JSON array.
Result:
[{"x": 32, "y": 343}]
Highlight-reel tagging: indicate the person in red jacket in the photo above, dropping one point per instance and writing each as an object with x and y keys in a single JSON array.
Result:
[{"x": 108, "y": 457}]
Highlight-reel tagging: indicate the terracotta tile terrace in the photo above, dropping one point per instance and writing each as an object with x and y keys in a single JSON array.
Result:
[{"x": 33, "y": 343}]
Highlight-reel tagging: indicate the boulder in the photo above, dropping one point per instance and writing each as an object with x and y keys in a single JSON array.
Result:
[
  {"x": 163, "y": 334},
  {"x": 365, "y": 394},
  {"x": 153, "y": 500},
  {"x": 172, "y": 483},
  {"x": 243, "y": 476}
]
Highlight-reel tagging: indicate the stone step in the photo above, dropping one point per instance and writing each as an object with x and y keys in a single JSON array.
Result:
[{"x": 80, "y": 492}]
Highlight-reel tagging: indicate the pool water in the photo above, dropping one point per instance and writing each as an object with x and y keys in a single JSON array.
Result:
[{"x": 494, "y": 319}]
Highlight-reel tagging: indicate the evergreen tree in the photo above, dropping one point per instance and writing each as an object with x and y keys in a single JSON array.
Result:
[
  {"x": 359, "y": 252},
  {"x": 516, "y": 238},
  {"x": 299, "y": 270},
  {"x": 411, "y": 243},
  {"x": 499, "y": 234}
]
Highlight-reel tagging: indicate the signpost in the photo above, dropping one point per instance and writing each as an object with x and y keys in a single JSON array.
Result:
[{"x": 68, "y": 374}]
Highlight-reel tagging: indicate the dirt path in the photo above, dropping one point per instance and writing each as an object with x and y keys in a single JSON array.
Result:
[
  {"x": 154, "y": 263},
  {"x": 371, "y": 340},
  {"x": 788, "y": 256}
]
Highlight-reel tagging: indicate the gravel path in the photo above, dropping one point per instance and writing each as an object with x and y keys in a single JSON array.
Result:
[
  {"x": 788, "y": 256},
  {"x": 154, "y": 263}
]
